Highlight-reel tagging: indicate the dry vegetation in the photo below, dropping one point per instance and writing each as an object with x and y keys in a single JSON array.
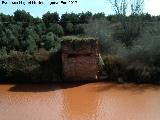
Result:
[{"x": 138, "y": 62}]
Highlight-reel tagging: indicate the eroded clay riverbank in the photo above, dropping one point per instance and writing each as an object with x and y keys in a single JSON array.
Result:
[{"x": 93, "y": 101}]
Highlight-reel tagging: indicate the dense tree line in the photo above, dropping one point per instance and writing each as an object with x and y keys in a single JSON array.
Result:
[{"x": 23, "y": 32}]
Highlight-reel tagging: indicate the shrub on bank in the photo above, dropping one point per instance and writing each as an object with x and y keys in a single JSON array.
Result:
[
  {"x": 25, "y": 67},
  {"x": 122, "y": 70}
]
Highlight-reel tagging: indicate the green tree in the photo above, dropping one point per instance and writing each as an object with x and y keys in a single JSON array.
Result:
[
  {"x": 40, "y": 28},
  {"x": 37, "y": 20},
  {"x": 147, "y": 17},
  {"x": 49, "y": 41},
  {"x": 79, "y": 29},
  {"x": 69, "y": 28},
  {"x": 3, "y": 51},
  {"x": 3, "y": 39},
  {"x": 99, "y": 15},
  {"x": 22, "y": 16},
  {"x": 50, "y": 18},
  {"x": 16, "y": 29},
  {"x": 6, "y": 18},
  {"x": 70, "y": 17},
  {"x": 30, "y": 39},
  {"x": 56, "y": 29},
  {"x": 30, "y": 43},
  {"x": 12, "y": 40},
  {"x": 85, "y": 17}
]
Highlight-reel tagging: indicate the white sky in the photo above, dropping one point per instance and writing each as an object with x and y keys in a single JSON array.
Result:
[
  {"x": 152, "y": 7},
  {"x": 95, "y": 6}
]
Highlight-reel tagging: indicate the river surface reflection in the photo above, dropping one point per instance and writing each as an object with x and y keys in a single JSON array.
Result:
[{"x": 92, "y": 101}]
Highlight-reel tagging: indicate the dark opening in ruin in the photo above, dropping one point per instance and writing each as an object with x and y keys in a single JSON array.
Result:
[{"x": 78, "y": 55}]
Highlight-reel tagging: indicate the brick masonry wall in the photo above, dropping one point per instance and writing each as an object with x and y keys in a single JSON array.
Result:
[{"x": 82, "y": 65}]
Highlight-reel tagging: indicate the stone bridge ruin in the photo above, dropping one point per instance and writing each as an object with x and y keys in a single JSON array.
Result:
[{"x": 80, "y": 60}]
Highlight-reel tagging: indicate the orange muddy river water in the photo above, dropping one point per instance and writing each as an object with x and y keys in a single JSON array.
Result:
[{"x": 92, "y": 101}]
